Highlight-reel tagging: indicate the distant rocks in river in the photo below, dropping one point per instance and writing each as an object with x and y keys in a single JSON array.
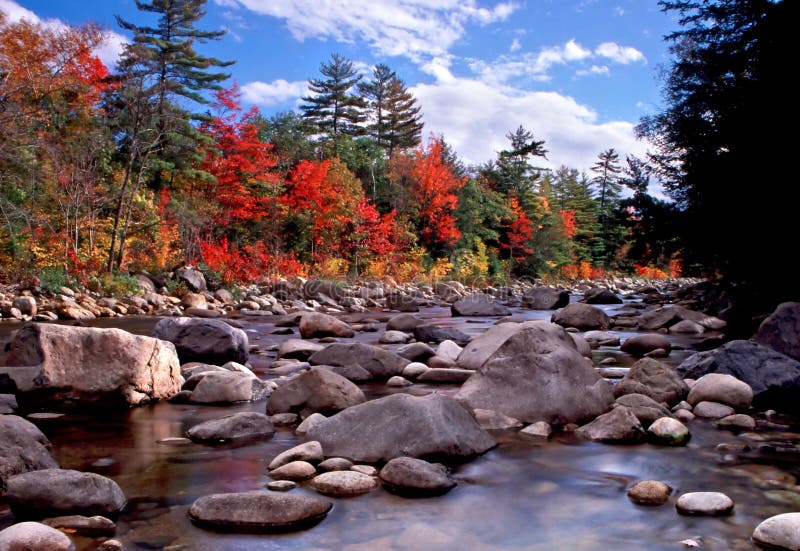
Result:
[
  {"x": 378, "y": 362},
  {"x": 479, "y": 304},
  {"x": 582, "y": 316},
  {"x": 600, "y": 295}
]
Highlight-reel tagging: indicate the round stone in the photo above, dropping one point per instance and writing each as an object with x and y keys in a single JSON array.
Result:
[
  {"x": 398, "y": 381},
  {"x": 712, "y": 410},
  {"x": 281, "y": 485},
  {"x": 34, "y": 535},
  {"x": 344, "y": 483},
  {"x": 780, "y": 531},
  {"x": 668, "y": 431},
  {"x": 335, "y": 464},
  {"x": 414, "y": 477},
  {"x": 705, "y": 503},
  {"x": 649, "y": 492},
  {"x": 295, "y": 470},
  {"x": 737, "y": 421}
]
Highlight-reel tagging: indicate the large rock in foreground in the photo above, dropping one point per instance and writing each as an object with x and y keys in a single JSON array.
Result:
[
  {"x": 77, "y": 365},
  {"x": 380, "y": 363},
  {"x": 478, "y": 304},
  {"x": 774, "y": 377},
  {"x": 582, "y": 316},
  {"x": 402, "y": 425},
  {"x": 317, "y": 390},
  {"x": 23, "y": 448},
  {"x": 781, "y": 330},
  {"x": 258, "y": 511},
  {"x": 34, "y": 536},
  {"x": 537, "y": 374},
  {"x": 57, "y": 492},
  {"x": 779, "y": 532},
  {"x": 204, "y": 340}
]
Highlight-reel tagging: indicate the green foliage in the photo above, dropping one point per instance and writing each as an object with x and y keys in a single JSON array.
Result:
[
  {"x": 117, "y": 284},
  {"x": 332, "y": 107},
  {"x": 52, "y": 279}
]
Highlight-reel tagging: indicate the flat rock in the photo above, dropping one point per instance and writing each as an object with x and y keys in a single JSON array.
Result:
[
  {"x": 34, "y": 536},
  {"x": 780, "y": 532},
  {"x": 242, "y": 426},
  {"x": 492, "y": 420},
  {"x": 258, "y": 511},
  {"x": 335, "y": 464},
  {"x": 308, "y": 451},
  {"x": 649, "y": 492},
  {"x": 737, "y": 421},
  {"x": 445, "y": 375},
  {"x": 281, "y": 485},
  {"x": 705, "y": 503},
  {"x": 539, "y": 430},
  {"x": 84, "y": 526},
  {"x": 344, "y": 483},
  {"x": 317, "y": 390},
  {"x": 722, "y": 388},
  {"x": 412, "y": 477}
]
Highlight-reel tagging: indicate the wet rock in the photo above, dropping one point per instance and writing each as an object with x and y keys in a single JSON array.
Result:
[
  {"x": 667, "y": 316},
  {"x": 545, "y": 298},
  {"x": 436, "y": 334},
  {"x": 204, "y": 340},
  {"x": 779, "y": 532},
  {"x": 368, "y": 470},
  {"x": 781, "y": 330},
  {"x": 398, "y": 381},
  {"x": 705, "y": 503},
  {"x": 722, "y": 388},
  {"x": 310, "y": 452},
  {"x": 668, "y": 431},
  {"x": 284, "y": 419},
  {"x": 258, "y": 511},
  {"x": 584, "y": 349},
  {"x": 344, "y": 483},
  {"x": 774, "y": 377},
  {"x": 56, "y": 492},
  {"x": 619, "y": 425},
  {"x": 737, "y": 421},
  {"x": 655, "y": 379},
  {"x": 34, "y": 536},
  {"x": 400, "y": 424},
  {"x": 510, "y": 380},
  {"x": 53, "y": 364},
  {"x": 445, "y": 375},
  {"x": 298, "y": 349},
  {"x": 26, "y": 305},
  {"x": 23, "y": 448},
  {"x": 600, "y": 295},
  {"x": 416, "y": 351},
  {"x": 403, "y": 322},
  {"x": 448, "y": 350},
  {"x": 479, "y": 349},
  {"x": 352, "y": 373},
  {"x": 602, "y": 338},
  {"x": 294, "y": 470},
  {"x": 644, "y": 408},
  {"x": 645, "y": 344},
  {"x": 493, "y": 420},
  {"x": 309, "y": 422},
  {"x": 84, "y": 526},
  {"x": 581, "y": 316},
  {"x": 684, "y": 415},
  {"x": 539, "y": 430},
  {"x": 478, "y": 304},
  {"x": 194, "y": 280},
  {"x": 281, "y": 485},
  {"x": 8, "y": 404},
  {"x": 687, "y": 327},
  {"x": 317, "y": 390},
  {"x": 316, "y": 325},
  {"x": 414, "y": 370},
  {"x": 380, "y": 363},
  {"x": 394, "y": 337},
  {"x": 649, "y": 492},
  {"x": 246, "y": 425},
  {"x": 222, "y": 387},
  {"x": 335, "y": 464},
  {"x": 401, "y": 302},
  {"x": 415, "y": 477},
  {"x": 712, "y": 410}
]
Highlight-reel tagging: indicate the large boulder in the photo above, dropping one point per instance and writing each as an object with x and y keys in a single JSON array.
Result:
[
  {"x": 482, "y": 347},
  {"x": 654, "y": 379},
  {"x": 258, "y": 511},
  {"x": 537, "y": 374},
  {"x": 581, "y": 316},
  {"x": 411, "y": 476},
  {"x": 478, "y": 304},
  {"x": 316, "y": 324},
  {"x": 242, "y": 426},
  {"x": 779, "y": 532},
  {"x": 545, "y": 298},
  {"x": 401, "y": 302},
  {"x": 194, "y": 280},
  {"x": 723, "y": 388},
  {"x": 381, "y": 363},
  {"x": 317, "y": 390},
  {"x": 57, "y": 492},
  {"x": 224, "y": 387},
  {"x": 204, "y": 340},
  {"x": 34, "y": 536},
  {"x": 23, "y": 448},
  {"x": 640, "y": 345},
  {"x": 402, "y": 425},
  {"x": 774, "y": 377},
  {"x": 437, "y": 334},
  {"x": 600, "y": 295},
  {"x": 78, "y": 365},
  {"x": 781, "y": 330}
]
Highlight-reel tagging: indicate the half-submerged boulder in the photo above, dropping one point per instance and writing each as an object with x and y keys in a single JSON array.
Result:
[
  {"x": 537, "y": 374},
  {"x": 478, "y": 304},
  {"x": 204, "y": 340},
  {"x": 582, "y": 316},
  {"x": 545, "y": 298},
  {"x": 67, "y": 365},
  {"x": 402, "y": 425},
  {"x": 245, "y": 426},
  {"x": 380, "y": 363},
  {"x": 317, "y": 390},
  {"x": 23, "y": 448}
]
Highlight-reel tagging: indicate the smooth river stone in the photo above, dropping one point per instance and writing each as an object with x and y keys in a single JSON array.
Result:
[
  {"x": 705, "y": 503},
  {"x": 780, "y": 531},
  {"x": 344, "y": 483}
]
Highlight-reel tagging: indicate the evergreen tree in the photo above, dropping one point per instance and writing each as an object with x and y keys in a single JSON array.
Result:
[
  {"x": 572, "y": 193},
  {"x": 332, "y": 108},
  {"x": 289, "y": 135},
  {"x": 395, "y": 115},
  {"x": 608, "y": 189},
  {"x": 514, "y": 172}
]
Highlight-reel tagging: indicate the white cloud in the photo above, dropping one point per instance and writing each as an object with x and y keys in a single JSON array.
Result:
[
  {"x": 515, "y": 45},
  {"x": 534, "y": 66},
  {"x": 416, "y": 29},
  {"x": 108, "y": 52},
  {"x": 593, "y": 70},
  {"x": 274, "y": 93},
  {"x": 619, "y": 54},
  {"x": 619, "y": 11},
  {"x": 474, "y": 117}
]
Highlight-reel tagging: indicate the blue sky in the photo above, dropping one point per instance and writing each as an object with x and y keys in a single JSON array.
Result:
[{"x": 577, "y": 73}]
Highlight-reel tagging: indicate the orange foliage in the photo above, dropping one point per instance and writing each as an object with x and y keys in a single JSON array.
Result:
[{"x": 518, "y": 231}]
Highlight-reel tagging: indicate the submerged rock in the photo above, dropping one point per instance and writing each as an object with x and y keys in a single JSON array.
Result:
[{"x": 649, "y": 492}]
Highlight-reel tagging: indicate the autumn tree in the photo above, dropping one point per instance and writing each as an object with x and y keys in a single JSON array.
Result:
[
  {"x": 332, "y": 106},
  {"x": 290, "y": 136}
]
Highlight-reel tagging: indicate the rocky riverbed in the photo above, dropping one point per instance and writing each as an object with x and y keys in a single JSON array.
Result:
[{"x": 535, "y": 437}]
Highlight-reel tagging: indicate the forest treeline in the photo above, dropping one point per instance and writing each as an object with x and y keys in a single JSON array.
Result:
[{"x": 157, "y": 164}]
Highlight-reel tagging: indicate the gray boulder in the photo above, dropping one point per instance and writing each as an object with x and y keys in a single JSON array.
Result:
[
  {"x": 479, "y": 349},
  {"x": 223, "y": 387},
  {"x": 667, "y": 316},
  {"x": 381, "y": 363},
  {"x": 344, "y": 483},
  {"x": 193, "y": 279},
  {"x": 781, "y": 330},
  {"x": 478, "y": 304},
  {"x": 723, "y": 388},
  {"x": 8, "y": 404},
  {"x": 23, "y": 448},
  {"x": 242, "y": 426},
  {"x": 57, "y": 492},
  {"x": 779, "y": 532},
  {"x": 617, "y": 426},
  {"x": 66, "y": 365},
  {"x": 258, "y": 511},
  {"x": 403, "y": 322},
  {"x": 204, "y": 340},
  {"x": 511, "y": 380},
  {"x": 298, "y": 349},
  {"x": 581, "y": 316},
  {"x": 34, "y": 536},
  {"x": 400, "y": 424},
  {"x": 655, "y": 379},
  {"x": 415, "y": 477},
  {"x": 316, "y": 324},
  {"x": 317, "y": 390},
  {"x": 437, "y": 334},
  {"x": 401, "y": 302},
  {"x": 774, "y": 377},
  {"x": 643, "y": 344},
  {"x": 600, "y": 295},
  {"x": 545, "y": 298},
  {"x": 705, "y": 504},
  {"x": 644, "y": 408}
]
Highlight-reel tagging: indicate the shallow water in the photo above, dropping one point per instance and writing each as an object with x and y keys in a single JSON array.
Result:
[{"x": 564, "y": 494}]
